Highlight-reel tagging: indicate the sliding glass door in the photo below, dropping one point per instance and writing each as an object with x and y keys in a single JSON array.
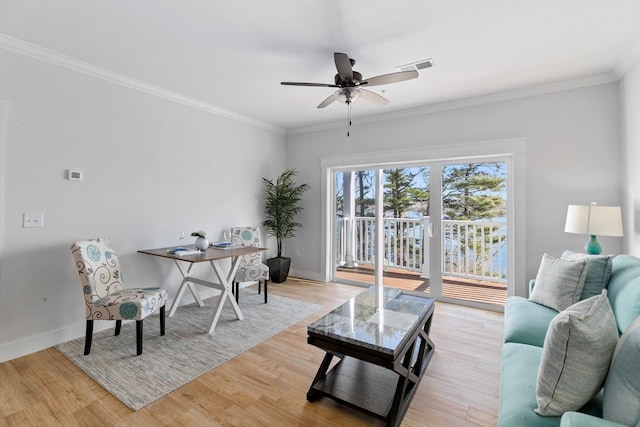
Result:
[
  {"x": 439, "y": 228},
  {"x": 474, "y": 232},
  {"x": 384, "y": 208}
]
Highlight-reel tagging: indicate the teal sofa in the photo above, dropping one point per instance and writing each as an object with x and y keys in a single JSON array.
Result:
[{"x": 526, "y": 323}]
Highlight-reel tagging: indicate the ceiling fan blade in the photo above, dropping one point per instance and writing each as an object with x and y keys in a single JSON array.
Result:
[
  {"x": 373, "y": 97},
  {"x": 308, "y": 84},
  {"x": 343, "y": 65},
  {"x": 329, "y": 100},
  {"x": 385, "y": 79}
]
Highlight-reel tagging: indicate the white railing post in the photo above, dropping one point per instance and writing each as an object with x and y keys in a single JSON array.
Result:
[
  {"x": 349, "y": 212},
  {"x": 350, "y": 246},
  {"x": 340, "y": 245},
  {"x": 426, "y": 240},
  {"x": 474, "y": 250}
]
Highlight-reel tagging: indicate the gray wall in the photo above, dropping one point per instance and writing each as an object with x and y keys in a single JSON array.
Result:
[{"x": 151, "y": 168}]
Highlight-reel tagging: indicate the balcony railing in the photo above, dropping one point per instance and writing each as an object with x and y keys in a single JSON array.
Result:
[{"x": 472, "y": 249}]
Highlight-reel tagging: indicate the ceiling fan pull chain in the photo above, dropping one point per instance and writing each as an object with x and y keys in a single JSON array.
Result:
[{"x": 349, "y": 117}]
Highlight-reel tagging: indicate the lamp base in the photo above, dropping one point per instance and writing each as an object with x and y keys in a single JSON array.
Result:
[{"x": 593, "y": 247}]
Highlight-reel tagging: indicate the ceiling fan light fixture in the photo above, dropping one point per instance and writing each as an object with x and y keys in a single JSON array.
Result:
[{"x": 349, "y": 94}]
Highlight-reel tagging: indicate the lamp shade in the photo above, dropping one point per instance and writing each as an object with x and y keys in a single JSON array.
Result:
[
  {"x": 594, "y": 220},
  {"x": 577, "y": 219}
]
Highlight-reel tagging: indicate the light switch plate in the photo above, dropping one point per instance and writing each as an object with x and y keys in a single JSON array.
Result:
[{"x": 32, "y": 219}]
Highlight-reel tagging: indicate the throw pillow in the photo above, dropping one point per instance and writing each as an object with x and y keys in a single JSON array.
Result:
[
  {"x": 622, "y": 387},
  {"x": 576, "y": 355},
  {"x": 598, "y": 272},
  {"x": 559, "y": 282}
]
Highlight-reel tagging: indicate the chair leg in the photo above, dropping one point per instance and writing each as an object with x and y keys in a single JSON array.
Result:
[
  {"x": 118, "y": 327},
  {"x": 237, "y": 291},
  {"x": 88, "y": 336},
  {"x": 162, "y": 320},
  {"x": 138, "y": 337},
  {"x": 265, "y": 291},
  {"x": 259, "y": 286}
]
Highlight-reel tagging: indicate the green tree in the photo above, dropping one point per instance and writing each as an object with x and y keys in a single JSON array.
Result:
[
  {"x": 397, "y": 198},
  {"x": 473, "y": 191},
  {"x": 363, "y": 197},
  {"x": 401, "y": 196}
]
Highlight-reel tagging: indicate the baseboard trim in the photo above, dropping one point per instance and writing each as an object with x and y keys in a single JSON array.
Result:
[
  {"x": 308, "y": 275},
  {"x": 35, "y": 343}
]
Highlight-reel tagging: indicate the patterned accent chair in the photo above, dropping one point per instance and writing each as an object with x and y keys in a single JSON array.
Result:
[
  {"x": 251, "y": 267},
  {"x": 105, "y": 296}
]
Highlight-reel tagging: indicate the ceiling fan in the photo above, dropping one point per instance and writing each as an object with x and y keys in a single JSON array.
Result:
[{"x": 350, "y": 84}]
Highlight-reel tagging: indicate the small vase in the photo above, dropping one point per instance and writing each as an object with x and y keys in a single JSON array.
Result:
[{"x": 202, "y": 243}]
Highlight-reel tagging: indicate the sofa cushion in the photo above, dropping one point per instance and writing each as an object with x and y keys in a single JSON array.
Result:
[
  {"x": 576, "y": 355},
  {"x": 598, "y": 272},
  {"x": 621, "y": 401},
  {"x": 519, "y": 370},
  {"x": 578, "y": 419},
  {"x": 525, "y": 321},
  {"x": 559, "y": 282},
  {"x": 624, "y": 290}
]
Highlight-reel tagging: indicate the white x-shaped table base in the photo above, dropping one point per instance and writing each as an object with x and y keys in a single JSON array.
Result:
[{"x": 223, "y": 285}]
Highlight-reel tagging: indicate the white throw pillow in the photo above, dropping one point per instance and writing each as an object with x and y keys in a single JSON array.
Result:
[
  {"x": 559, "y": 282},
  {"x": 576, "y": 355}
]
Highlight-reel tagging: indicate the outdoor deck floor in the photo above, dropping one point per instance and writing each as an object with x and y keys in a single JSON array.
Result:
[{"x": 483, "y": 292}]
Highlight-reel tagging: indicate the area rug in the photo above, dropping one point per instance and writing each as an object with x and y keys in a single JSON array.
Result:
[{"x": 186, "y": 351}]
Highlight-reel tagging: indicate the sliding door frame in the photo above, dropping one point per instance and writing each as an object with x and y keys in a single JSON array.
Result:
[{"x": 511, "y": 149}]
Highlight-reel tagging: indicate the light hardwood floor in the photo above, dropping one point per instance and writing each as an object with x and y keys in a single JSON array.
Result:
[{"x": 267, "y": 385}]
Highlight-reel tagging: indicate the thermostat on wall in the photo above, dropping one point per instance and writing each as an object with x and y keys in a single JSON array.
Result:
[{"x": 74, "y": 175}]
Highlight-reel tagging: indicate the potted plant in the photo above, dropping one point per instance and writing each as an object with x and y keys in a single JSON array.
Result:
[
  {"x": 202, "y": 239},
  {"x": 282, "y": 199}
]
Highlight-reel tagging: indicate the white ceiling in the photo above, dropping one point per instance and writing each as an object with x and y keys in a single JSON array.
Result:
[{"x": 232, "y": 55}]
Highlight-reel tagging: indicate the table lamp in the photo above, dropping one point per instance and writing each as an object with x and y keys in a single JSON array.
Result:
[{"x": 595, "y": 221}]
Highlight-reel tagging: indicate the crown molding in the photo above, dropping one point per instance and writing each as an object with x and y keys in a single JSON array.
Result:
[
  {"x": 631, "y": 56},
  {"x": 34, "y": 51},
  {"x": 469, "y": 102},
  {"x": 40, "y": 53}
]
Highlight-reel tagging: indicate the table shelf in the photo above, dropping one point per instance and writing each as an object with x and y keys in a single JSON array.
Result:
[
  {"x": 377, "y": 380},
  {"x": 359, "y": 384}
]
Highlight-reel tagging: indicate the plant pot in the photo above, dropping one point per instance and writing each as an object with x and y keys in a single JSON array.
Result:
[
  {"x": 202, "y": 243},
  {"x": 279, "y": 268}
]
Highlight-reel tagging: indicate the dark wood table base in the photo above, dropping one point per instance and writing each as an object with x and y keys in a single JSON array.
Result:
[{"x": 377, "y": 384}]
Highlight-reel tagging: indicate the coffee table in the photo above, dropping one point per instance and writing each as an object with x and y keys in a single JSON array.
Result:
[{"x": 381, "y": 337}]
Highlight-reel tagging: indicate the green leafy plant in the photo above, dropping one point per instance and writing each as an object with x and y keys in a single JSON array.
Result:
[
  {"x": 200, "y": 233},
  {"x": 282, "y": 205}
]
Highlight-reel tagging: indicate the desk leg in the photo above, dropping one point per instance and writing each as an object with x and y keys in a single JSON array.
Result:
[
  {"x": 185, "y": 283},
  {"x": 225, "y": 292},
  {"x": 176, "y": 301}
]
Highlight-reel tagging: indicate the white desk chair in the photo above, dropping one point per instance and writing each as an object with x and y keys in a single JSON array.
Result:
[{"x": 251, "y": 268}]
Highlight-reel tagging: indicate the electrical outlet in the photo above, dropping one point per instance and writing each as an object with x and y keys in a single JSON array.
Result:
[{"x": 32, "y": 219}]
